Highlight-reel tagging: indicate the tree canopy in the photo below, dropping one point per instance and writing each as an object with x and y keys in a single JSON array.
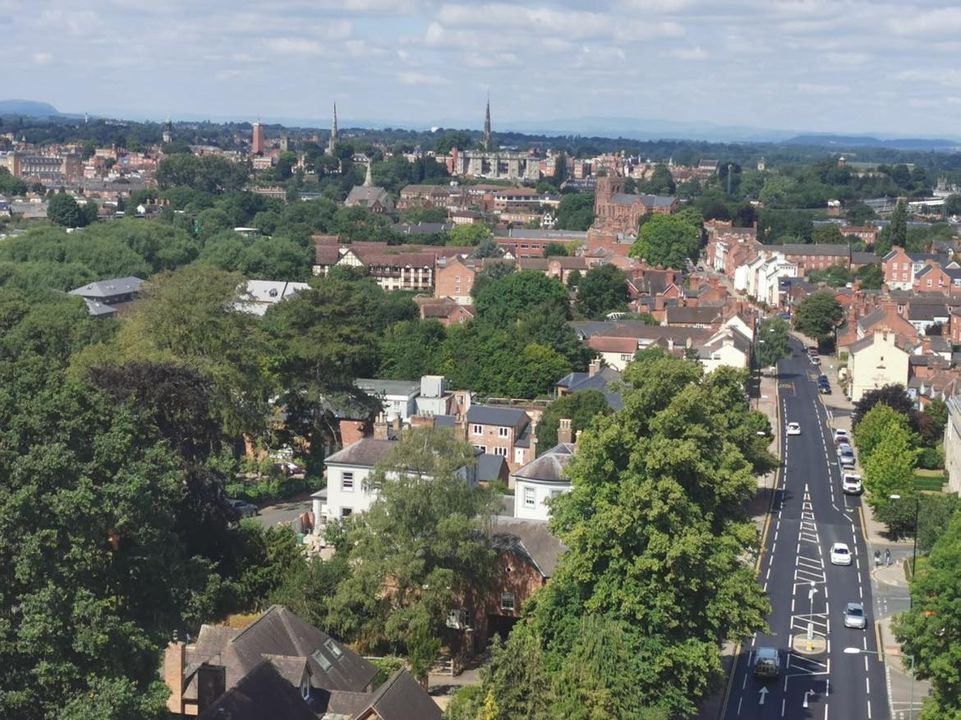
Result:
[
  {"x": 668, "y": 240},
  {"x": 818, "y": 315},
  {"x": 601, "y": 290}
]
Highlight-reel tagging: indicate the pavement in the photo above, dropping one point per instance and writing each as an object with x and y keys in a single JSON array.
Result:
[{"x": 285, "y": 512}]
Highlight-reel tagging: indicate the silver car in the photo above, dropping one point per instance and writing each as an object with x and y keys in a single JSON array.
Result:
[{"x": 854, "y": 616}]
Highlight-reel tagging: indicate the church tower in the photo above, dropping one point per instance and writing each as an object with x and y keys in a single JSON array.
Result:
[
  {"x": 332, "y": 142},
  {"x": 487, "y": 126}
]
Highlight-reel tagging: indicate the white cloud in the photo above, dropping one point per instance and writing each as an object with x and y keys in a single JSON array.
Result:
[
  {"x": 690, "y": 53},
  {"x": 942, "y": 21},
  {"x": 807, "y": 88},
  {"x": 42, "y": 58},
  {"x": 417, "y": 78},
  {"x": 294, "y": 46}
]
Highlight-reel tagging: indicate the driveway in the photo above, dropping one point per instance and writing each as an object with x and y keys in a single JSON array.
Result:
[{"x": 284, "y": 513}]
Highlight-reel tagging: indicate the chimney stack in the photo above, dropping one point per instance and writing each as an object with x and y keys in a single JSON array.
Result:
[
  {"x": 380, "y": 428},
  {"x": 593, "y": 368},
  {"x": 174, "y": 663},
  {"x": 564, "y": 432}
]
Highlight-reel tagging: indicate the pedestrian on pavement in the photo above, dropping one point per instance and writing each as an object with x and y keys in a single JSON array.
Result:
[
  {"x": 877, "y": 558},
  {"x": 887, "y": 557}
]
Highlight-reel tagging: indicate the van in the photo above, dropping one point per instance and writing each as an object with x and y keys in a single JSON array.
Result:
[{"x": 767, "y": 662}]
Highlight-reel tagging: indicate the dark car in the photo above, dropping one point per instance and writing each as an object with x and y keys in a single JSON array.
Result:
[
  {"x": 243, "y": 508},
  {"x": 824, "y": 388}
]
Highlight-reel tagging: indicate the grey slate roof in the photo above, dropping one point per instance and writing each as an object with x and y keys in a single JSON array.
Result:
[
  {"x": 401, "y": 698},
  {"x": 106, "y": 289},
  {"x": 601, "y": 380},
  {"x": 530, "y": 539},
  {"x": 262, "y": 693},
  {"x": 489, "y": 467},
  {"x": 367, "y": 195},
  {"x": 549, "y": 467},
  {"x": 99, "y": 309},
  {"x": 494, "y": 415},
  {"x": 366, "y": 452},
  {"x": 383, "y": 388}
]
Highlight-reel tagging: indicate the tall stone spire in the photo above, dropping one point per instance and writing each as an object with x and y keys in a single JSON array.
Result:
[
  {"x": 332, "y": 142},
  {"x": 369, "y": 178},
  {"x": 487, "y": 125}
]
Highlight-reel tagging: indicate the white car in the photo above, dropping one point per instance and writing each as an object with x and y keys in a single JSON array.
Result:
[
  {"x": 851, "y": 484},
  {"x": 840, "y": 554},
  {"x": 793, "y": 428},
  {"x": 854, "y": 616},
  {"x": 841, "y": 436}
]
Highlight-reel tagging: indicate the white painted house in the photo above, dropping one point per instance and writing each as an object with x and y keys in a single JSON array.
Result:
[
  {"x": 544, "y": 478},
  {"x": 348, "y": 470}
]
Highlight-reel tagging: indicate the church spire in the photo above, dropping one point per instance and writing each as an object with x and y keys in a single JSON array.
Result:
[
  {"x": 332, "y": 142},
  {"x": 487, "y": 125}
]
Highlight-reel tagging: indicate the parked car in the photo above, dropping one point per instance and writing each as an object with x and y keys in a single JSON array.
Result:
[
  {"x": 244, "y": 508},
  {"x": 840, "y": 554},
  {"x": 854, "y": 616},
  {"x": 767, "y": 662},
  {"x": 841, "y": 436},
  {"x": 815, "y": 360},
  {"x": 824, "y": 387},
  {"x": 793, "y": 428},
  {"x": 846, "y": 456},
  {"x": 851, "y": 484}
]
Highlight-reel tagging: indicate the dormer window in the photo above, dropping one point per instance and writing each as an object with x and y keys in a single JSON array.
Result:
[
  {"x": 334, "y": 648},
  {"x": 305, "y": 688}
]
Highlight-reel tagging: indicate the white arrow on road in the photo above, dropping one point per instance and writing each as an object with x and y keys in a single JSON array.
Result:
[
  {"x": 763, "y": 692},
  {"x": 806, "y": 693}
]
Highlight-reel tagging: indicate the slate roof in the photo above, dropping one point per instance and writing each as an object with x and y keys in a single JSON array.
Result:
[
  {"x": 530, "y": 539},
  {"x": 367, "y": 195},
  {"x": 549, "y": 467},
  {"x": 366, "y": 452},
  {"x": 401, "y": 698},
  {"x": 262, "y": 693},
  {"x": 106, "y": 289},
  {"x": 926, "y": 311},
  {"x": 494, "y": 415},
  {"x": 704, "y": 315},
  {"x": 99, "y": 309},
  {"x": 489, "y": 467},
  {"x": 383, "y": 388},
  {"x": 601, "y": 380}
]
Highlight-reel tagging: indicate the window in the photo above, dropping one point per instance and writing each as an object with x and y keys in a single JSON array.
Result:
[
  {"x": 334, "y": 648},
  {"x": 929, "y": 282},
  {"x": 478, "y": 429},
  {"x": 347, "y": 482},
  {"x": 346, "y": 512},
  {"x": 482, "y": 448},
  {"x": 322, "y": 660},
  {"x": 500, "y": 451},
  {"x": 503, "y": 432},
  {"x": 530, "y": 497},
  {"x": 507, "y": 601}
]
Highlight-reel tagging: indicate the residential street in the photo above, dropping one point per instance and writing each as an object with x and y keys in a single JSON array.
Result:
[{"x": 808, "y": 514}]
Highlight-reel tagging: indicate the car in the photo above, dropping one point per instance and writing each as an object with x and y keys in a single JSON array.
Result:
[
  {"x": 851, "y": 484},
  {"x": 854, "y": 616},
  {"x": 840, "y": 554},
  {"x": 793, "y": 428},
  {"x": 812, "y": 349},
  {"x": 824, "y": 388},
  {"x": 767, "y": 663},
  {"x": 815, "y": 360},
  {"x": 243, "y": 508},
  {"x": 784, "y": 315},
  {"x": 846, "y": 456},
  {"x": 841, "y": 435}
]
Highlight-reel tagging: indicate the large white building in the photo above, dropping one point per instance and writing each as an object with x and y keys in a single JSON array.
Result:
[{"x": 760, "y": 278}]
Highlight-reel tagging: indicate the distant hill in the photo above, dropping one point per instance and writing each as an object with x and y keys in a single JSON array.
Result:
[
  {"x": 29, "y": 108},
  {"x": 854, "y": 141}
]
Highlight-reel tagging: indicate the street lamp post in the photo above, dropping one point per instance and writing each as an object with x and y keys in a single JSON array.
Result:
[
  {"x": 858, "y": 651},
  {"x": 914, "y": 551}
]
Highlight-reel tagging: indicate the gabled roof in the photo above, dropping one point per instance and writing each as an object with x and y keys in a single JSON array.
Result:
[
  {"x": 106, "y": 289},
  {"x": 366, "y": 452},
  {"x": 601, "y": 380},
  {"x": 400, "y": 698},
  {"x": 530, "y": 539},
  {"x": 366, "y": 195},
  {"x": 494, "y": 415}
]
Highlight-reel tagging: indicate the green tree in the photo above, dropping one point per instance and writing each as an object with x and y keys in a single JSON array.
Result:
[
  {"x": 661, "y": 181},
  {"x": 773, "y": 341},
  {"x": 871, "y": 276},
  {"x": 468, "y": 235},
  {"x": 535, "y": 371},
  {"x": 580, "y": 408},
  {"x": 668, "y": 241},
  {"x": 411, "y": 349},
  {"x": 818, "y": 315},
  {"x": 894, "y": 396},
  {"x": 603, "y": 289},
  {"x": 504, "y": 301},
  {"x": 889, "y": 470},
  {"x": 829, "y": 234},
  {"x": 422, "y": 538},
  {"x": 874, "y": 426},
  {"x": 63, "y": 210},
  {"x": 895, "y": 232},
  {"x": 930, "y": 631},
  {"x": 952, "y": 205},
  {"x": 859, "y": 214},
  {"x": 556, "y": 249},
  {"x": 655, "y": 530},
  {"x": 575, "y": 212}
]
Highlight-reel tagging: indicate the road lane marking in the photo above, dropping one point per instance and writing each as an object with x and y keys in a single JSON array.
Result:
[{"x": 867, "y": 685}]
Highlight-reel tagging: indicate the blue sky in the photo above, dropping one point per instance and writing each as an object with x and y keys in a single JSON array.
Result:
[{"x": 822, "y": 65}]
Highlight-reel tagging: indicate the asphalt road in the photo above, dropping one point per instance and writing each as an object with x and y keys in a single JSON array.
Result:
[{"x": 809, "y": 513}]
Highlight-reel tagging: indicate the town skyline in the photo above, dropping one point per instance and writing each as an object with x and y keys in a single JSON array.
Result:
[{"x": 426, "y": 63}]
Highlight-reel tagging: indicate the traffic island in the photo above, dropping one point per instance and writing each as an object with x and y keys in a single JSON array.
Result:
[{"x": 804, "y": 645}]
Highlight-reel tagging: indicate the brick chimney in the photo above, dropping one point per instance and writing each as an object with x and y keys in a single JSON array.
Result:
[
  {"x": 351, "y": 431},
  {"x": 174, "y": 663},
  {"x": 593, "y": 368},
  {"x": 380, "y": 428},
  {"x": 419, "y": 421},
  {"x": 564, "y": 431}
]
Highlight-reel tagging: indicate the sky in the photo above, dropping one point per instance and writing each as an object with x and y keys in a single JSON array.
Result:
[{"x": 811, "y": 65}]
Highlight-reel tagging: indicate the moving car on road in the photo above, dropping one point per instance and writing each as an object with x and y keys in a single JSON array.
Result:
[
  {"x": 767, "y": 662},
  {"x": 793, "y": 428},
  {"x": 851, "y": 484},
  {"x": 854, "y": 616},
  {"x": 840, "y": 554}
]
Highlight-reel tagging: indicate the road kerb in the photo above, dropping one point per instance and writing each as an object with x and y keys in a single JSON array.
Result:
[
  {"x": 864, "y": 525},
  {"x": 877, "y": 639}
]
